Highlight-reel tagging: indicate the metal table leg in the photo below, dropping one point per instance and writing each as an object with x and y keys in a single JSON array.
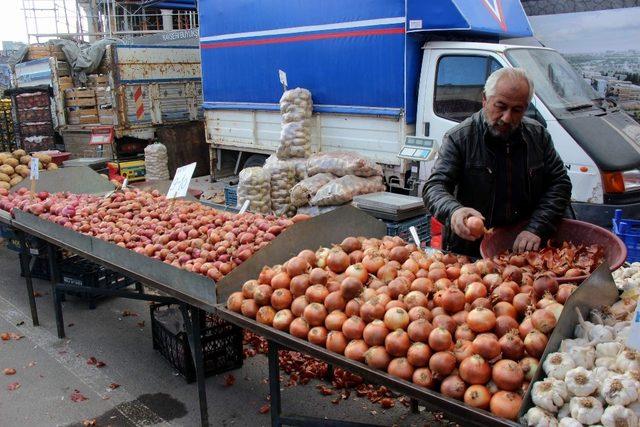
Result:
[
  {"x": 25, "y": 263},
  {"x": 274, "y": 384},
  {"x": 56, "y": 295},
  {"x": 192, "y": 317}
]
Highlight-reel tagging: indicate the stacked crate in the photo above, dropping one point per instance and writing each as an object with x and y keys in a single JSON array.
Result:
[
  {"x": 81, "y": 106},
  {"x": 34, "y": 125},
  {"x": 39, "y": 51},
  {"x": 104, "y": 99}
]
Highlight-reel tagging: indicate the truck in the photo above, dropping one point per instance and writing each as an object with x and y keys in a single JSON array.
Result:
[
  {"x": 136, "y": 89},
  {"x": 390, "y": 77}
]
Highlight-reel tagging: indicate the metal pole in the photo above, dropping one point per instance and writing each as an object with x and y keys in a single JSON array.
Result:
[
  {"x": 274, "y": 384},
  {"x": 55, "y": 294},
  {"x": 26, "y": 269},
  {"x": 192, "y": 317}
]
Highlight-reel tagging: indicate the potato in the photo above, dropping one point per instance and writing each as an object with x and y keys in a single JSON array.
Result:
[
  {"x": 23, "y": 170},
  {"x": 4, "y": 177},
  {"x": 41, "y": 165},
  {"x": 52, "y": 166},
  {"x": 11, "y": 162},
  {"x": 25, "y": 160},
  {"x": 19, "y": 153},
  {"x": 5, "y": 185},
  {"x": 44, "y": 158},
  {"x": 104, "y": 176},
  {"x": 6, "y": 169},
  {"x": 16, "y": 180}
]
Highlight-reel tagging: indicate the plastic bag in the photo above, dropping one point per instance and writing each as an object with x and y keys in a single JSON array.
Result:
[
  {"x": 341, "y": 163},
  {"x": 343, "y": 190},
  {"x": 300, "y": 165},
  {"x": 254, "y": 184},
  {"x": 156, "y": 161},
  {"x": 316, "y": 210},
  {"x": 283, "y": 178},
  {"x": 296, "y": 107},
  {"x": 303, "y": 191}
]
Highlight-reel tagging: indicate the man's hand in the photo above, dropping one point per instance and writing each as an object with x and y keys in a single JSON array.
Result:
[
  {"x": 526, "y": 241},
  {"x": 459, "y": 225}
]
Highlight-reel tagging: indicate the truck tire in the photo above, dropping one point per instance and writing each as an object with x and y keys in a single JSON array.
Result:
[{"x": 254, "y": 160}]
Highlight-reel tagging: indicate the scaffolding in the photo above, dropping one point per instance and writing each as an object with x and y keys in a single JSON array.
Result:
[{"x": 88, "y": 20}]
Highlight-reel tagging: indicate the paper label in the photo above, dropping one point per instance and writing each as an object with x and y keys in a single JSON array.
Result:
[
  {"x": 125, "y": 183},
  {"x": 414, "y": 234},
  {"x": 415, "y": 24},
  {"x": 283, "y": 78},
  {"x": 35, "y": 172},
  {"x": 181, "y": 180},
  {"x": 633, "y": 340},
  {"x": 244, "y": 207}
]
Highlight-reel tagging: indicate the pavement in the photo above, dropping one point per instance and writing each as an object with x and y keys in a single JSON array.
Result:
[{"x": 136, "y": 386}]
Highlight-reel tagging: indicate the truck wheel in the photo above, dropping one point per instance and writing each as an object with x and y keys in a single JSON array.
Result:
[{"x": 254, "y": 160}]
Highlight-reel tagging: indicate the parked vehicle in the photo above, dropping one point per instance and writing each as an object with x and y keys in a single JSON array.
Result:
[{"x": 390, "y": 77}]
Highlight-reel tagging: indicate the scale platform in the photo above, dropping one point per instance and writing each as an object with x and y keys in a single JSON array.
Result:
[{"x": 390, "y": 206}]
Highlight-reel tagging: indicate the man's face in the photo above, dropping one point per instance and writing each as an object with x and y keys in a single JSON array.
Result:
[{"x": 505, "y": 108}]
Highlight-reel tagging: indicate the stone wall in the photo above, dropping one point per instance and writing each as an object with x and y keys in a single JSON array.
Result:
[{"x": 549, "y": 7}]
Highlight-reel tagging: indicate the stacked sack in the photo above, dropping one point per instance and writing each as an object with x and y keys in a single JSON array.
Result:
[
  {"x": 296, "y": 107},
  {"x": 156, "y": 161},
  {"x": 283, "y": 179},
  {"x": 254, "y": 185}
]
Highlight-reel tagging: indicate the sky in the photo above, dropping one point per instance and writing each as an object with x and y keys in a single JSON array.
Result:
[
  {"x": 584, "y": 32},
  {"x": 12, "y": 26}
]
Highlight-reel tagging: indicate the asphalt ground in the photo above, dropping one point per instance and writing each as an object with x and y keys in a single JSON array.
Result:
[{"x": 136, "y": 386}]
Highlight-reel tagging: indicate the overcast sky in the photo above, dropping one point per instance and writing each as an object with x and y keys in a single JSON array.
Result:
[
  {"x": 597, "y": 31},
  {"x": 12, "y": 26}
]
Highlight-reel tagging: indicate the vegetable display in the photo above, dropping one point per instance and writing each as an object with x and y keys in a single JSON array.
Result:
[
  {"x": 593, "y": 379},
  {"x": 437, "y": 320},
  {"x": 184, "y": 234},
  {"x": 15, "y": 167}
]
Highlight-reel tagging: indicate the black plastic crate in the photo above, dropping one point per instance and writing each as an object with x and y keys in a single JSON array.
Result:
[
  {"x": 35, "y": 246},
  {"x": 221, "y": 343}
]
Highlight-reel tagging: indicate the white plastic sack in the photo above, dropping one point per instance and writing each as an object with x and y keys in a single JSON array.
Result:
[
  {"x": 254, "y": 184},
  {"x": 341, "y": 163},
  {"x": 303, "y": 191},
  {"x": 283, "y": 178},
  {"x": 295, "y": 140},
  {"x": 156, "y": 162},
  {"x": 300, "y": 165},
  {"x": 296, "y": 105},
  {"x": 343, "y": 190}
]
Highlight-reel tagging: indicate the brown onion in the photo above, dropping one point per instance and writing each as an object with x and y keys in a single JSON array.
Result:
[
  {"x": 336, "y": 342},
  {"x": 234, "y": 302},
  {"x": 512, "y": 346},
  {"x": 564, "y": 292},
  {"x": 545, "y": 283},
  {"x": 535, "y": 342},
  {"x": 396, "y": 318},
  {"x": 298, "y": 305},
  {"x": 529, "y": 366},
  {"x": 397, "y": 343},
  {"x": 400, "y": 368},
  {"x": 477, "y": 396},
  {"x": 356, "y": 350},
  {"x": 377, "y": 357},
  {"x": 299, "y": 328},
  {"x": 442, "y": 363},
  {"x": 418, "y": 354},
  {"x": 353, "y": 327},
  {"x": 265, "y": 315},
  {"x": 486, "y": 346},
  {"x": 419, "y": 330},
  {"x": 505, "y": 404},
  {"x": 481, "y": 320},
  {"x": 505, "y": 324},
  {"x": 462, "y": 349},
  {"x": 334, "y": 320},
  {"x": 475, "y": 370},
  {"x": 440, "y": 339},
  {"x": 507, "y": 375},
  {"x": 375, "y": 333},
  {"x": 318, "y": 335},
  {"x": 423, "y": 377},
  {"x": 453, "y": 386},
  {"x": 543, "y": 320}
]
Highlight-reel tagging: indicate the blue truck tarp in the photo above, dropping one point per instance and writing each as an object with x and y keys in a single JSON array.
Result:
[{"x": 356, "y": 56}]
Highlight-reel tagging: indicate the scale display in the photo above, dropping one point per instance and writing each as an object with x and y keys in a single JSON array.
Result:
[{"x": 418, "y": 148}]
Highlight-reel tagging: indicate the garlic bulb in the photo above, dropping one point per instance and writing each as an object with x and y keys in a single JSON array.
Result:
[
  {"x": 549, "y": 394},
  {"x": 557, "y": 365},
  {"x": 635, "y": 407},
  {"x": 569, "y": 422},
  {"x": 538, "y": 417},
  {"x": 627, "y": 360},
  {"x": 584, "y": 356},
  {"x": 621, "y": 325},
  {"x": 601, "y": 373},
  {"x": 586, "y": 410},
  {"x": 619, "y": 416},
  {"x": 634, "y": 374},
  {"x": 580, "y": 382},
  {"x": 568, "y": 344},
  {"x": 592, "y": 332},
  {"x": 622, "y": 307},
  {"x": 619, "y": 390},
  {"x": 605, "y": 362},
  {"x": 623, "y": 334},
  {"x": 608, "y": 349},
  {"x": 565, "y": 411}
]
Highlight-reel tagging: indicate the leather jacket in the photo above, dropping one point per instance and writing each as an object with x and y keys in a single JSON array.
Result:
[{"x": 464, "y": 176}]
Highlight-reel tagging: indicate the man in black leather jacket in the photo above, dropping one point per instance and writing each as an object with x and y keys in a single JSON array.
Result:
[{"x": 500, "y": 166}]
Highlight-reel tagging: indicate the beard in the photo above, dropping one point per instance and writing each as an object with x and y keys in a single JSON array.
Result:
[{"x": 499, "y": 129}]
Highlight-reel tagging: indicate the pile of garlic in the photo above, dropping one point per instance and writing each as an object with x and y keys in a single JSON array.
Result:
[
  {"x": 628, "y": 278},
  {"x": 593, "y": 379}
]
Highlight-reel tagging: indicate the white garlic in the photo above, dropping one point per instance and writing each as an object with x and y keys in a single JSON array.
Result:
[
  {"x": 635, "y": 407},
  {"x": 634, "y": 374},
  {"x": 568, "y": 344},
  {"x": 605, "y": 362},
  {"x": 549, "y": 394},
  {"x": 619, "y": 326},
  {"x": 627, "y": 360},
  {"x": 557, "y": 365},
  {"x": 586, "y": 410},
  {"x": 538, "y": 417},
  {"x": 565, "y": 411},
  {"x": 569, "y": 422},
  {"x": 600, "y": 333},
  {"x": 619, "y": 390},
  {"x": 608, "y": 349},
  {"x": 601, "y": 373},
  {"x": 621, "y": 307},
  {"x": 622, "y": 336},
  {"x": 619, "y": 416},
  {"x": 583, "y": 355},
  {"x": 580, "y": 382}
]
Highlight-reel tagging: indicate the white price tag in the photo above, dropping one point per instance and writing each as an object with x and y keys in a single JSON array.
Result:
[
  {"x": 181, "y": 180},
  {"x": 244, "y": 207},
  {"x": 314, "y": 211},
  {"x": 125, "y": 183},
  {"x": 414, "y": 234},
  {"x": 283, "y": 78},
  {"x": 35, "y": 171},
  {"x": 633, "y": 340}
]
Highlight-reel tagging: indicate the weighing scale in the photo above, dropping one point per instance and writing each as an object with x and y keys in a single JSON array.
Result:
[
  {"x": 418, "y": 149},
  {"x": 390, "y": 206}
]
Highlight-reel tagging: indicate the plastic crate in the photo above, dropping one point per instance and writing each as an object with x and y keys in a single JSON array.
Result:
[
  {"x": 231, "y": 195},
  {"x": 221, "y": 345},
  {"x": 421, "y": 223},
  {"x": 35, "y": 246},
  {"x": 628, "y": 230}
]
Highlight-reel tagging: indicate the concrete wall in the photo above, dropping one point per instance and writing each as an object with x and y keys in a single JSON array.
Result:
[{"x": 549, "y": 7}]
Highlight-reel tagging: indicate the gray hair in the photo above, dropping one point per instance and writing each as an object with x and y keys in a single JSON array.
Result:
[{"x": 512, "y": 74}]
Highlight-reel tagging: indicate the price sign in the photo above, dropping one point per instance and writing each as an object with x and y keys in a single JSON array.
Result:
[
  {"x": 125, "y": 183},
  {"x": 181, "y": 180},
  {"x": 633, "y": 340},
  {"x": 244, "y": 207},
  {"x": 35, "y": 171},
  {"x": 283, "y": 79},
  {"x": 414, "y": 234}
]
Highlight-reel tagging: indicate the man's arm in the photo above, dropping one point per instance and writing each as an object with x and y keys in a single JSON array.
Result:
[
  {"x": 438, "y": 192},
  {"x": 557, "y": 196}
]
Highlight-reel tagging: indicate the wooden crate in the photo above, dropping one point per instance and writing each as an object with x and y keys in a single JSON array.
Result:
[
  {"x": 105, "y": 116},
  {"x": 36, "y": 51},
  {"x": 82, "y": 115},
  {"x": 103, "y": 97},
  {"x": 97, "y": 80},
  {"x": 80, "y": 97},
  {"x": 65, "y": 83}
]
